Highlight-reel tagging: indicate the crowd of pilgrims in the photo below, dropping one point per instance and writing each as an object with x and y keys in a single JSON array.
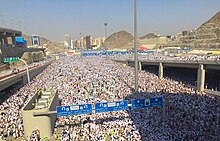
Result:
[{"x": 189, "y": 115}]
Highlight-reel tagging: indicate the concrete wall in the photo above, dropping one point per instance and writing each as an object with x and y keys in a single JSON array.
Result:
[
  {"x": 31, "y": 103},
  {"x": 15, "y": 51}
]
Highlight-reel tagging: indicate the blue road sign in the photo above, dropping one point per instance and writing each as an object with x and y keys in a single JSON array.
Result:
[
  {"x": 74, "y": 110},
  {"x": 139, "y": 103},
  {"x": 111, "y": 106},
  {"x": 156, "y": 102},
  {"x": 150, "y": 102},
  {"x": 63, "y": 111}
]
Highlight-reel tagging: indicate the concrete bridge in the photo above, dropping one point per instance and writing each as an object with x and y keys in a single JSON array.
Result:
[
  {"x": 200, "y": 65},
  {"x": 21, "y": 77}
]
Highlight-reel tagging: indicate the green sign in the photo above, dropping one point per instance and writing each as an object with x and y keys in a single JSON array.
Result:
[{"x": 12, "y": 59}]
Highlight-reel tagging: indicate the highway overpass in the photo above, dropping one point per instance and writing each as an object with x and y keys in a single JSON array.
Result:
[
  {"x": 21, "y": 77},
  {"x": 200, "y": 65}
]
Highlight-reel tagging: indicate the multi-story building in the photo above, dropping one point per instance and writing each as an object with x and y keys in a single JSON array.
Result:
[
  {"x": 67, "y": 41},
  {"x": 83, "y": 42},
  {"x": 35, "y": 40},
  {"x": 74, "y": 44},
  {"x": 98, "y": 42},
  {"x": 88, "y": 42},
  {"x": 78, "y": 43}
]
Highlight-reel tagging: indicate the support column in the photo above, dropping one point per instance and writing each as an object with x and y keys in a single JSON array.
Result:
[
  {"x": 200, "y": 78},
  {"x": 160, "y": 70},
  {"x": 13, "y": 40},
  {"x": 1, "y": 42},
  {"x": 140, "y": 66},
  {"x": 5, "y": 40}
]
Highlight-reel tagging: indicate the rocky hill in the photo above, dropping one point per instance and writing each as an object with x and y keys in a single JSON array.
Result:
[
  {"x": 148, "y": 36},
  {"x": 54, "y": 47},
  {"x": 119, "y": 40},
  {"x": 206, "y": 36}
]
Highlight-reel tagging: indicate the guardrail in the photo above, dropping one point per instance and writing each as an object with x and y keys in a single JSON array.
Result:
[{"x": 205, "y": 62}]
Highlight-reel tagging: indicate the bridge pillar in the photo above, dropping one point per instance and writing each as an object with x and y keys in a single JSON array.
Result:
[
  {"x": 140, "y": 65},
  {"x": 160, "y": 72},
  {"x": 5, "y": 40},
  {"x": 13, "y": 40},
  {"x": 1, "y": 42},
  {"x": 201, "y": 78}
]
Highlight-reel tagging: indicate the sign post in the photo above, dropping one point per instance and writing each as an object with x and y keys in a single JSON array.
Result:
[
  {"x": 149, "y": 102},
  {"x": 16, "y": 59},
  {"x": 12, "y": 59},
  {"x": 74, "y": 110},
  {"x": 164, "y": 111},
  {"x": 111, "y": 106}
]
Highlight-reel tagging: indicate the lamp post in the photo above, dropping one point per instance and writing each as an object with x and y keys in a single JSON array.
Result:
[
  {"x": 80, "y": 43},
  {"x": 135, "y": 47},
  {"x": 16, "y": 59},
  {"x": 105, "y": 24},
  {"x": 28, "y": 75}
]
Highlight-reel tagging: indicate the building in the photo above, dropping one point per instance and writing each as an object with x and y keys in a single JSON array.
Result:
[
  {"x": 184, "y": 33},
  {"x": 67, "y": 41},
  {"x": 74, "y": 44},
  {"x": 83, "y": 42},
  {"x": 35, "y": 39},
  {"x": 79, "y": 43},
  {"x": 98, "y": 42},
  {"x": 88, "y": 42}
]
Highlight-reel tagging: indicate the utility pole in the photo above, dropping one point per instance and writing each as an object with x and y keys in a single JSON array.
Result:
[
  {"x": 105, "y": 24},
  {"x": 135, "y": 46}
]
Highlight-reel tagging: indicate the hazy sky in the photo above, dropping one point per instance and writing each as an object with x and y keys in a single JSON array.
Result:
[{"x": 53, "y": 18}]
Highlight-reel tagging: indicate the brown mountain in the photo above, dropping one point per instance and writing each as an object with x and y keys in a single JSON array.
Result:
[
  {"x": 206, "y": 36},
  {"x": 148, "y": 36},
  {"x": 119, "y": 40},
  {"x": 215, "y": 20}
]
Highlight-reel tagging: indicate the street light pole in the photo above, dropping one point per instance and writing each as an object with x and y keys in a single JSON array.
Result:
[
  {"x": 135, "y": 47},
  {"x": 105, "y": 24},
  {"x": 28, "y": 76}
]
